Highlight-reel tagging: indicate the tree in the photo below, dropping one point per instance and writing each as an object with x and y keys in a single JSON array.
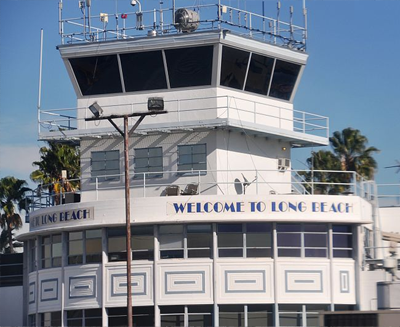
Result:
[
  {"x": 12, "y": 196},
  {"x": 55, "y": 158},
  {"x": 350, "y": 147}
]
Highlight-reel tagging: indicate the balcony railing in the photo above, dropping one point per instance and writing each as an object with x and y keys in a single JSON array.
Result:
[
  {"x": 195, "y": 112},
  {"x": 218, "y": 182}
]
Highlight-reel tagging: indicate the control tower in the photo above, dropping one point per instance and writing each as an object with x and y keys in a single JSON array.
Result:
[{"x": 223, "y": 231}]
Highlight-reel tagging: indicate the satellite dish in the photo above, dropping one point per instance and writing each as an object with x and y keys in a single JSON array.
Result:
[
  {"x": 186, "y": 20},
  {"x": 247, "y": 183}
]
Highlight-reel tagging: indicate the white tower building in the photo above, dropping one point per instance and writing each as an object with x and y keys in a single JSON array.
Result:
[{"x": 224, "y": 232}]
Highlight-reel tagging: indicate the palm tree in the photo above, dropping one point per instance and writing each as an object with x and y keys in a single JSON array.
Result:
[
  {"x": 55, "y": 158},
  {"x": 12, "y": 196},
  {"x": 350, "y": 147},
  {"x": 323, "y": 182}
]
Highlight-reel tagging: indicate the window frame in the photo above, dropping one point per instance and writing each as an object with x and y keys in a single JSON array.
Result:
[
  {"x": 191, "y": 172},
  {"x": 102, "y": 177},
  {"x": 148, "y": 173},
  {"x": 51, "y": 245},
  {"x": 84, "y": 253}
]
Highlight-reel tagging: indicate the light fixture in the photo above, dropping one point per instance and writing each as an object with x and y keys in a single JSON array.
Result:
[
  {"x": 155, "y": 104},
  {"x": 96, "y": 110},
  {"x": 283, "y": 148}
]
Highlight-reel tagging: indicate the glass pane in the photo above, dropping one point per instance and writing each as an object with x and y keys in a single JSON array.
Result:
[
  {"x": 199, "y": 228},
  {"x": 74, "y": 314},
  {"x": 200, "y": 253},
  {"x": 117, "y": 244},
  {"x": 171, "y": 229},
  {"x": 116, "y": 232},
  {"x": 171, "y": 254},
  {"x": 93, "y": 246},
  {"x": 172, "y": 321},
  {"x": 172, "y": 309},
  {"x": 171, "y": 241},
  {"x": 289, "y": 252},
  {"x": 231, "y": 319},
  {"x": 342, "y": 228},
  {"x": 57, "y": 250},
  {"x": 315, "y": 240},
  {"x": 56, "y": 238},
  {"x": 258, "y": 228},
  {"x": 141, "y": 162},
  {"x": 97, "y": 75},
  {"x": 200, "y": 320},
  {"x": 75, "y": 260},
  {"x": 288, "y": 227},
  {"x": 259, "y": 253},
  {"x": 143, "y": 71},
  {"x": 185, "y": 159},
  {"x": 155, "y": 152},
  {"x": 142, "y": 242},
  {"x": 189, "y": 66},
  {"x": 46, "y": 253},
  {"x": 141, "y": 153},
  {"x": 112, "y": 155},
  {"x": 317, "y": 253},
  {"x": 257, "y": 319},
  {"x": 143, "y": 255},
  {"x": 284, "y": 79},
  {"x": 75, "y": 247},
  {"x": 98, "y": 156},
  {"x": 312, "y": 320},
  {"x": 157, "y": 161},
  {"x": 230, "y": 240},
  {"x": 258, "y": 240},
  {"x": 289, "y": 239},
  {"x": 230, "y": 253},
  {"x": 199, "y": 240},
  {"x": 342, "y": 241},
  {"x": 233, "y": 67},
  {"x": 184, "y": 149},
  {"x": 342, "y": 253},
  {"x": 229, "y": 228},
  {"x": 94, "y": 322},
  {"x": 315, "y": 228},
  {"x": 290, "y": 319},
  {"x": 98, "y": 166},
  {"x": 75, "y": 236},
  {"x": 199, "y": 148},
  {"x": 259, "y": 74},
  {"x": 142, "y": 230},
  {"x": 94, "y": 233},
  {"x": 112, "y": 165},
  {"x": 197, "y": 158}
]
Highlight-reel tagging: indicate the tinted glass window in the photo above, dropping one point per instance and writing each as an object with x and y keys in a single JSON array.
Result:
[
  {"x": 143, "y": 71},
  {"x": 233, "y": 68},
  {"x": 259, "y": 75},
  {"x": 97, "y": 75},
  {"x": 284, "y": 79},
  {"x": 189, "y": 66}
]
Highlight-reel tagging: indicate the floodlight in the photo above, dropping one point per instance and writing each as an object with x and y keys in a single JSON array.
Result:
[
  {"x": 155, "y": 104},
  {"x": 96, "y": 110}
]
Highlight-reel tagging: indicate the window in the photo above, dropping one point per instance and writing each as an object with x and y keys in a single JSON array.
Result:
[
  {"x": 84, "y": 247},
  {"x": 284, "y": 79},
  {"x": 50, "y": 319},
  {"x": 189, "y": 66},
  {"x": 179, "y": 315},
  {"x": 147, "y": 161},
  {"x": 105, "y": 165},
  {"x": 234, "y": 67},
  {"x": 192, "y": 157},
  {"x": 11, "y": 269},
  {"x": 32, "y": 320},
  {"x": 142, "y": 317},
  {"x": 143, "y": 71},
  {"x": 245, "y": 240},
  {"x": 142, "y": 243},
  {"x": 259, "y": 75},
  {"x": 185, "y": 241},
  {"x": 298, "y": 240},
  {"x": 51, "y": 250},
  {"x": 342, "y": 241},
  {"x": 97, "y": 75},
  {"x": 82, "y": 318},
  {"x": 235, "y": 315}
]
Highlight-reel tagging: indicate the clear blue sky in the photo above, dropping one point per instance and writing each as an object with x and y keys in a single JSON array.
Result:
[{"x": 352, "y": 75}]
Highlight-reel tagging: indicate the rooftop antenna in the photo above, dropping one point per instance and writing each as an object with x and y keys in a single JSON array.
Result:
[
  {"x": 305, "y": 22},
  {"x": 278, "y": 7},
  {"x": 395, "y": 166},
  {"x": 40, "y": 77}
]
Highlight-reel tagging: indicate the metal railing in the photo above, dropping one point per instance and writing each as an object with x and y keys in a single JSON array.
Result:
[
  {"x": 214, "y": 16},
  {"x": 224, "y": 182},
  {"x": 210, "y": 108}
]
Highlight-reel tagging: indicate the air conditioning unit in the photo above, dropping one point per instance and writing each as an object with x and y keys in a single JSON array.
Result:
[{"x": 283, "y": 164}]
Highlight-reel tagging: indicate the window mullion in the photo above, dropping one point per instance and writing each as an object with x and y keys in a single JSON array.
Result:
[
  {"x": 185, "y": 247},
  {"x": 244, "y": 228}
]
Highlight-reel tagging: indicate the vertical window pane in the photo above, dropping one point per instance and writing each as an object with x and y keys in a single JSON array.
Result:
[
  {"x": 143, "y": 71},
  {"x": 233, "y": 67},
  {"x": 283, "y": 80},
  {"x": 97, "y": 75},
  {"x": 259, "y": 75},
  {"x": 189, "y": 66}
]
